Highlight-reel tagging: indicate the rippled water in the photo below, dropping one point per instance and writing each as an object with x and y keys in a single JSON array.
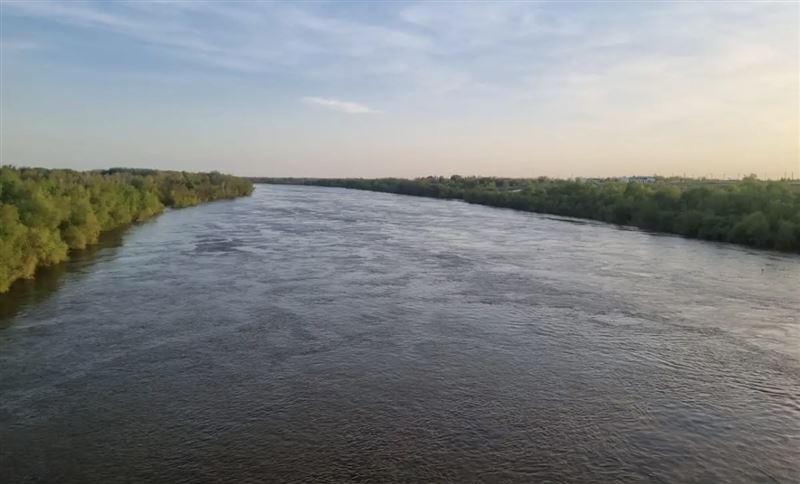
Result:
[{"x": 316, "y": 334}]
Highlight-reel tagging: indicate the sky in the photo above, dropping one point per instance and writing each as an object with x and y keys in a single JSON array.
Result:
[{"x": 370, "y": 89}]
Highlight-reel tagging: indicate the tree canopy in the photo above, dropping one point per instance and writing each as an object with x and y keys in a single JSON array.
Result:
[
  {"x": 764, "y": 214},
  {"x": 45, "y": 213}
]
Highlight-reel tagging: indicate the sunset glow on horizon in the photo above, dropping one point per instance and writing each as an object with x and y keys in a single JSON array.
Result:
[{"x": 403, "y": 88}]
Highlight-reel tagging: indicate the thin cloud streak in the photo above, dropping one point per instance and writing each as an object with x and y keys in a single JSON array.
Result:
[
  {"x": 16, "y": 45},
  {"x": 347, "y": 107}
]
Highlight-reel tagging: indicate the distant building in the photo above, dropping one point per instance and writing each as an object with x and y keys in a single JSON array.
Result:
[{"x": 638, "y": 179}]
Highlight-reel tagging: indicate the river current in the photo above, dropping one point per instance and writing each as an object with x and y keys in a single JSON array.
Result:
[{"x": 319, "y": 334}]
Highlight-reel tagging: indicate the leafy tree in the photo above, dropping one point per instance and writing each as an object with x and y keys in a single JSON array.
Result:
[
  {"x": 45, "y": 213},
  {"x": 751, "y": 212}
]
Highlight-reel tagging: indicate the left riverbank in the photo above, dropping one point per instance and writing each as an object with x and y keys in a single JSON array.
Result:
[{"x": 46, "y": 213}]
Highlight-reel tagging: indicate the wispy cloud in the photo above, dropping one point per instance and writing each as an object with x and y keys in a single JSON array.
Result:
[
  {"x": 248, "y": 36},
  {"x": 504, "y": 78},
  {"x": 347, "y": 107}
]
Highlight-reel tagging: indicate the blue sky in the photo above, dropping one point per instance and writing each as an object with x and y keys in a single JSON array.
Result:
[{"x": 403, "y": 89}]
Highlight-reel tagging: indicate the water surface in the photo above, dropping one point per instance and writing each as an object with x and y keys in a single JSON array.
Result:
[{"x": 315, "y": 334}]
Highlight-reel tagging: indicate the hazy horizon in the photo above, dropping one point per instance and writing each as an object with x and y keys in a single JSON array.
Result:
[{"x": 404, "y": 88}]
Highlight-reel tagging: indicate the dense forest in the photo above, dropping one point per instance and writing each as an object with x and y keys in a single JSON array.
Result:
[
  {"x": 45, "y": 213},
  {"x": 764, "y": 214}
]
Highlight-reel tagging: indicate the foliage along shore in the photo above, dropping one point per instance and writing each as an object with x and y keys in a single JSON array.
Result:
[
  {"x": 763, "y": 214},
  {"x": 45, "y": 213}
]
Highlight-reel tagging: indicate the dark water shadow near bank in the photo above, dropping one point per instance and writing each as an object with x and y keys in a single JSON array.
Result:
[{"x": 26, "y": 293}]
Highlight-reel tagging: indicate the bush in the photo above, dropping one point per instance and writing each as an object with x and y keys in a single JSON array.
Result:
[
  {"x": 751, "y": 212},
  {"x": 44, "y": 213}
]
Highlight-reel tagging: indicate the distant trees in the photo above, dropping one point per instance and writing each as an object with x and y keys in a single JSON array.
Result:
[
  {"x": 45, "y": 213},
  {"x": 751, "y": 212}
]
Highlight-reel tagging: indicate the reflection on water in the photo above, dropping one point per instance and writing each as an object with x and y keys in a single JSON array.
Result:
[
  {"x": 29, "y": 292},
  {"x": 325, "y": 335}
]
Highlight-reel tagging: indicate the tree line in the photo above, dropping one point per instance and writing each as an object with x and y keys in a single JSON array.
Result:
[
  {"x": 45, "y": 213},
  {"x": 752, "y": 212}
]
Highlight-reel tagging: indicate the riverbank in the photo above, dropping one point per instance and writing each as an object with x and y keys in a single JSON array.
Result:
[
  {"x": 46, "y": 213},
  {"x": 762, "y": 214},
  {"x": 399, "y": 339}
]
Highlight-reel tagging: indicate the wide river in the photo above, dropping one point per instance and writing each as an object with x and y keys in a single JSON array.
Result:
[{"x": 318, "y": 334}]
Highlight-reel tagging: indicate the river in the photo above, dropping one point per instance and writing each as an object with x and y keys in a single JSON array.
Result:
[{"x": 320, "y": 334}]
